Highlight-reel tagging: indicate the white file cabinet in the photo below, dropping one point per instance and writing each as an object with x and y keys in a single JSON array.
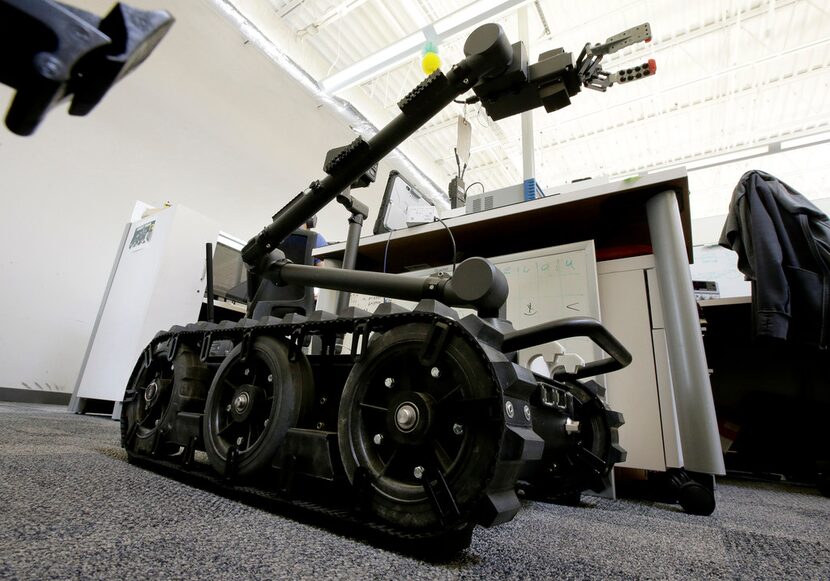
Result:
[
  {"x": 158, "y": 280},
  {"x": 630, "y": 307}
]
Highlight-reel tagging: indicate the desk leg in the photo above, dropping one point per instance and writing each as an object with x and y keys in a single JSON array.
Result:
[{"x": 689, "y": 372}]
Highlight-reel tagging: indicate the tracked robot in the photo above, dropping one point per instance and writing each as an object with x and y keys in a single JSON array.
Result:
[{"x": 428, "y": 426}]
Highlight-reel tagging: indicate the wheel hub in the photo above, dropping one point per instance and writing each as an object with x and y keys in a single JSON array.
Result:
[
  {"x": 244, "y": 400},
  {"x": 406, "y": 417},
  {"x": 151, "y": 392},
  {"x": 241, "y": 401},
  {"x": 410, "y": 417}
]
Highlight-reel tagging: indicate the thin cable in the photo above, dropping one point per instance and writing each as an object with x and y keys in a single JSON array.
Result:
[
  {"x": 386, "y": 250},
  {"x": 457, "y": 162},
  {"x": 339, "y": 47},
  {"x": 452, "y": 239},
  {"x": 385, "y": 255},
  {"x": 467, "y": 189}
]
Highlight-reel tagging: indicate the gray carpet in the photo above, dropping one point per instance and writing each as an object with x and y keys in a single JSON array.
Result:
[{"x": 72, "y": 508}]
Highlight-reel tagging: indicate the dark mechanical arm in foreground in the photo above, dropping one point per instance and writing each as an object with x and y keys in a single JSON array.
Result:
[{"x": 50, "y": 52}]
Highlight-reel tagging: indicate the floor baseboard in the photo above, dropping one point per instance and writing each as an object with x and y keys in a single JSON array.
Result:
[{"x": 34, "y": 396}]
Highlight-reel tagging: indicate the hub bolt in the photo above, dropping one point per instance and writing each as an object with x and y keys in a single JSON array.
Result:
[
  {"x": 508, "y": 407},
  {"x": 151, "y": 391},
  {"x": 323, "y": 400},
  {"x": 270, "y": 378},
  {"x": 247, "y": 371},
  {"x": 418, "y": 472},
  {"x": 389, "y": 382},
  {"x": 227, "y": 409},
  {"x": 527, "y": 412},
  {"x": 435, "y": 372},
  {"x": 240, "y": 402},
  {"x": 378, "y": 439},
  {"x": 239, "y": 441},
  {"x": 457, "y": 429},
  {"x": 320, "y": 425},
  {"x": 406, "y": 417}
]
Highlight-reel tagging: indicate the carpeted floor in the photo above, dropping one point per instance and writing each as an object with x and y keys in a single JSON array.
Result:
[{"x": 71, "y": 507}]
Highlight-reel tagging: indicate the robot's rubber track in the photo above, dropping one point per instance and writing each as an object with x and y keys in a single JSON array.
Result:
[
  {"x": 433, "y": 545},
  {"x": 516, "y": 443}
]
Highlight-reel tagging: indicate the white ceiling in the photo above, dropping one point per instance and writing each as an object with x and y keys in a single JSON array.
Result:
[{"x": 732, "y": 76}]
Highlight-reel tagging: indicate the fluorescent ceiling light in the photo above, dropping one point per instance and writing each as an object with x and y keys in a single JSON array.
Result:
[
  {"x": 727, "y": 157},
  {"x": 808, "y": 140},
  {"x": 375, "y": 64},
  {"x": 398, "y": 52},
  {"x": 343, "y": 109},
  {"x": 472, "y": 14}
]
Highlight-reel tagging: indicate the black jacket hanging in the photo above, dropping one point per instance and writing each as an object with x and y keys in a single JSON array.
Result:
[{"x": 783, "y": 246}]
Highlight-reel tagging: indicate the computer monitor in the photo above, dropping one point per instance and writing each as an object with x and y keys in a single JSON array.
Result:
[
  {"x": 229, "y": 275},
  {"x": 398, "y": 198}
]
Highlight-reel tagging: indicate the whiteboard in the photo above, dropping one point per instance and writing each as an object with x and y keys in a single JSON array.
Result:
[{"x": 545, "y": 284}]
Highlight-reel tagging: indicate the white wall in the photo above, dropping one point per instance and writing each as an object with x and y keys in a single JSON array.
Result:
[{"x": 207, "y": 121}]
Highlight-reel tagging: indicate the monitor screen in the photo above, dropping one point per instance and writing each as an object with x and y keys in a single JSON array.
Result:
[
  {"x": 229, "y": 273},
  {"x": 399, "y": 197}
]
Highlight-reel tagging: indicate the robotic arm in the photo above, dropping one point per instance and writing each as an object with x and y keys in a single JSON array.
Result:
[
  {"x": 551, "y": 82},
  {"x": 52, "y": 52},
  {"x": 499, "y": 75}
]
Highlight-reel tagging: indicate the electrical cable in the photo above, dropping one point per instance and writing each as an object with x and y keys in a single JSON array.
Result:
[
  {"x": 452, "y": 239},
  {"x": 385, "y": 255},
  {"x": 386, "y": 250},
  {"x": 457, "y": 162},
  {"x": 474, "y": 184}
]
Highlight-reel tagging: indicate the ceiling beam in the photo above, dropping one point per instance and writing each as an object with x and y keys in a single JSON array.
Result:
[
  {"x": 333, "y": 14},
  {"x": 407, "y": 47}
]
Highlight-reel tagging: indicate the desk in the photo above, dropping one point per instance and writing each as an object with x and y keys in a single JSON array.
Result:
[
  {"x": 646, "y": 216},
  {"x": 774, "y": 393},
  {"x": 720, "y": 302}
]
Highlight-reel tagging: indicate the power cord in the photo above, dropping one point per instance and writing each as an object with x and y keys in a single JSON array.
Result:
[
  {"x": 452, "y": 239},
  {"x": 467, "y": 189},
  {"x": 385, "y": 256},
  {"x": 386, "y": 250}
]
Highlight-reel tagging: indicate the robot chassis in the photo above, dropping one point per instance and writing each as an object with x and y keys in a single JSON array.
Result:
[{"x": 426, "y": 429}]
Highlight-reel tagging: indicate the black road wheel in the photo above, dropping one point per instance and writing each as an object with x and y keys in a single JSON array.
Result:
[
  {"x": 252, "y": 403},
  {"x": 420, "y": 426},
  {"x": 580, "y": 451},
  {"x": 146, "y": 413},
  {"x": 191, "y": 382}
]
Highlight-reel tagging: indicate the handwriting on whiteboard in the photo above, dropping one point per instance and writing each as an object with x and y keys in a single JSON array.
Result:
[{"x": 546, "y": 288}]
